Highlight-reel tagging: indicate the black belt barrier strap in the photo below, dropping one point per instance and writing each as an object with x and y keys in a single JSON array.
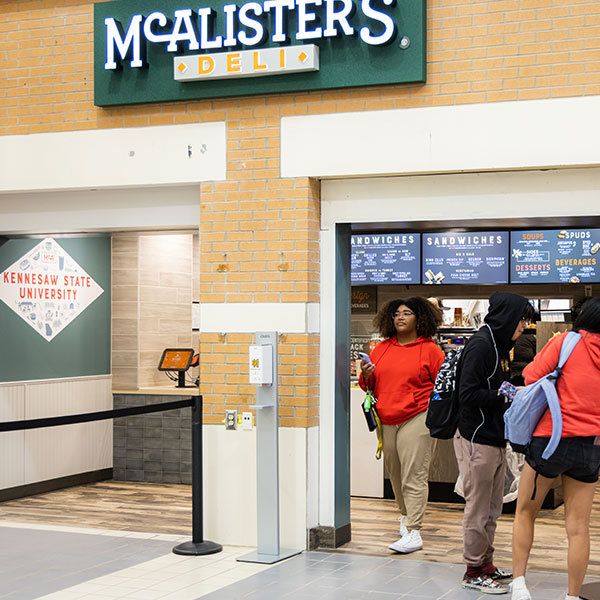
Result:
[
  {"x": 198, "y": 545},
  {"x": 94, "y": 416}
]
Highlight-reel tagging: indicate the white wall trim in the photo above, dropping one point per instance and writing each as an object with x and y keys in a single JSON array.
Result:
[
  {"x": 135, "y": 156},
  {"x": 245, "y": 317},
  {"x": 476, "y": 137},
  {"x": 164, "y": 207},
  {"x": 57, "y": 380},
  {"x": 517, "y": 195},
  {"x": 230, "y": 511}
]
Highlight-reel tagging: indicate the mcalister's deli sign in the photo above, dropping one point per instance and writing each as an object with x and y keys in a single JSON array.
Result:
[{"x": 166, "y": 50}]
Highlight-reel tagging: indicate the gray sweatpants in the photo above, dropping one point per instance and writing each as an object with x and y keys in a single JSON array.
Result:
[{"x": 483, "y": 470}]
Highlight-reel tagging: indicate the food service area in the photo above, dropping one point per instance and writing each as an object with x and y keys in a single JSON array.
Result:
[
  {"x": 553, "y": 268},
  {"x": 216, "y": 172}
]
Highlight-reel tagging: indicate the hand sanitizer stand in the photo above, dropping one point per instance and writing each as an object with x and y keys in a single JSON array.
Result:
[{"x": 263, "y": 372}]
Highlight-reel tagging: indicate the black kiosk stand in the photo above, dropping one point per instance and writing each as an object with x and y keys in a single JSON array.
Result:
[{"x": 178, "y": 360}]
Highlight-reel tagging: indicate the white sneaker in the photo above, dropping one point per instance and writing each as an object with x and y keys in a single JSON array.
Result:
[
  {"x": 519, "y": 592},
  {"x": 409, "y": 542},
  {"x": 403, "y": 529}
]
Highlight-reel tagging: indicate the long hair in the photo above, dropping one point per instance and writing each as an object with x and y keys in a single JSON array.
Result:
[
  {"x": 428, "y": 316},
  {"x": 589, "y": 317}
]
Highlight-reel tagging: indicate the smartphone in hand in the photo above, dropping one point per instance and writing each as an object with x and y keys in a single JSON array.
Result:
[
  {"x": 364, "y": 357},
  {"x": 508, "y": 390}
]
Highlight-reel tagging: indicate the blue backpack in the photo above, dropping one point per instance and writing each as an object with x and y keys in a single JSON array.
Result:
[{"x": 531, "y": 402}]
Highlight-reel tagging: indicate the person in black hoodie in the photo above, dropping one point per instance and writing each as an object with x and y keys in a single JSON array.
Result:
[{"x": 479, "y": 442}]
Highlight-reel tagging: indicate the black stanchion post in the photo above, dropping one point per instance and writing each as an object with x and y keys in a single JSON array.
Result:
[{"x": 198, "y": 545}]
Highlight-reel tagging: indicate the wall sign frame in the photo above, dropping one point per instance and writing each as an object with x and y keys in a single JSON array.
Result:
[{"x": 170, "y": 50}]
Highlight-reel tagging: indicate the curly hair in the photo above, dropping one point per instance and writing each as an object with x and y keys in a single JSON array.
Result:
[{"x": 428, "y": 316}]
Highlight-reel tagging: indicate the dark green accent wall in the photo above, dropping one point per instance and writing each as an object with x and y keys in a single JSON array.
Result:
[
  {"x": 83, "y": 347},
  {"x": 342, "y": 376},
  {"x": 345, "y": 61}
]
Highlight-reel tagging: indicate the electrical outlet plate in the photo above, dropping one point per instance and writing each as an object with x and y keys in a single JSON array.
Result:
[
  {"x": 231, "y": 419},
  {"x": 247, "y": 420}
]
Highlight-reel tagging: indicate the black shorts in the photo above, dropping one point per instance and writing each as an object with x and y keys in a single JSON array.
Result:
[{"x": 577, "y": 457}]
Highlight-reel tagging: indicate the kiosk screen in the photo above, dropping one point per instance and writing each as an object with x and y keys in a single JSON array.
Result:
[{"x": 176, "y": 359}]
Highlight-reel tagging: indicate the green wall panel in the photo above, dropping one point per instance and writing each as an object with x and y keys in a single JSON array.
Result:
[
  {"x": 342, "y": 375},
  {"x": 82, "y": 347}
]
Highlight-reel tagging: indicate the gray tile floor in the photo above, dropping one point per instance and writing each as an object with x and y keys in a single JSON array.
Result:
[
  {"x": 35, "y": 562},
  {"x": 320, "y": 575},
  {"x": 72, "y": 565}
]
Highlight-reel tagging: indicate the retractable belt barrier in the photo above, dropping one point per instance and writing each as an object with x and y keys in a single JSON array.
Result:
[
  {"x": 198, "y": 545},
  {"x": 94, "y": 416}
]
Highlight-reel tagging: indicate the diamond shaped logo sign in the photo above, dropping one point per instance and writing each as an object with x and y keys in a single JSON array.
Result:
[{"x": 47, "y": 289}]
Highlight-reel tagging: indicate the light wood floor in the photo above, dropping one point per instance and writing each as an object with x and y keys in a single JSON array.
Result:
[
  {"x": 120, "y": 505},
  {"x": 166, "y": 508}
]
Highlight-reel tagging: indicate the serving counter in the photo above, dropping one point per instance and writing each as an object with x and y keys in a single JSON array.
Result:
[{"x": 367, "y": 474}]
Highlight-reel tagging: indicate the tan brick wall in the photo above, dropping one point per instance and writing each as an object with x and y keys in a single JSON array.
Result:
[
  {"x": 477, "y": 52},
  {"x": 259, "y": 232},
  {"x": 224, "y": 377}
]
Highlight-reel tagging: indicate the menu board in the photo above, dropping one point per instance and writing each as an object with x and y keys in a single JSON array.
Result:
[
  {"x": 385, "y": 258},
  {"x": 471, "y": 257},
  {"x": 555, "y": 256}
]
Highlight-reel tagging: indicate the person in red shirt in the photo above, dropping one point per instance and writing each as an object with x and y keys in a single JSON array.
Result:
[
  {"x": 577, "y": 458},
  {"x": 401, "y": 375}
]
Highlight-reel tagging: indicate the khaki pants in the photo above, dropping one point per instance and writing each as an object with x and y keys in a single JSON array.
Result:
[
  {"x": 483, "y": 470},
  {"x": 407, "y": 450}
]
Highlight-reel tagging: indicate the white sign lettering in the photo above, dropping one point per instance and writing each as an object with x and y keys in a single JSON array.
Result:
[{"x": 243, "y": 26}]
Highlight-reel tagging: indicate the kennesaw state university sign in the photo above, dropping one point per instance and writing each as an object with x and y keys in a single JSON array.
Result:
[{"x": 169, "y": 50}]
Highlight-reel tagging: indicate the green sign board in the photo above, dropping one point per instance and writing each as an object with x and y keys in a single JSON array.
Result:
[
  {"x": 167, "y": 50},
  {"x": 51, "y": 326}
]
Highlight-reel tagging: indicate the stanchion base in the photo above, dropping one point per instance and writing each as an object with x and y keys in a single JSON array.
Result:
[
  {"x": 197, "y": 548},
  {"x": 590, "y": 591},
  {"x": 268, "y": 559}
]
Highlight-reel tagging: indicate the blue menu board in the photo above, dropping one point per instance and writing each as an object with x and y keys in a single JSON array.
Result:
[
  {"x": 385, "y": 258},
  {"x": 555, "y": 256},
  {"x": 471, "y": 257}
]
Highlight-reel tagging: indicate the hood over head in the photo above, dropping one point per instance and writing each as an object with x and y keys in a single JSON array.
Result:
[
  {"x": 419, "y": 341},
  {"x": 592, "y": 344},
  {"x": 505, "y": 312}
]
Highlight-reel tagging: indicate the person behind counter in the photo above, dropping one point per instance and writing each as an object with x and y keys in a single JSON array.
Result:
[
  {"x": 479, "y": 443},
  {"x": 523, "y": 353},
  {"x": 577, "y": 457},
  {"x": 439, "y": 340},
  {"x": 401, "y": 375}
]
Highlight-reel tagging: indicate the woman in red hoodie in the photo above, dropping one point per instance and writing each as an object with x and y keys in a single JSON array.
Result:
[
  {"x": 401, "y": 375},
  {"x": 577, "y": 458}
]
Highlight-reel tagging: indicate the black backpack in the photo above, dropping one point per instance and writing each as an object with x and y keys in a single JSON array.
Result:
[{"x": 443, "y": 409}]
